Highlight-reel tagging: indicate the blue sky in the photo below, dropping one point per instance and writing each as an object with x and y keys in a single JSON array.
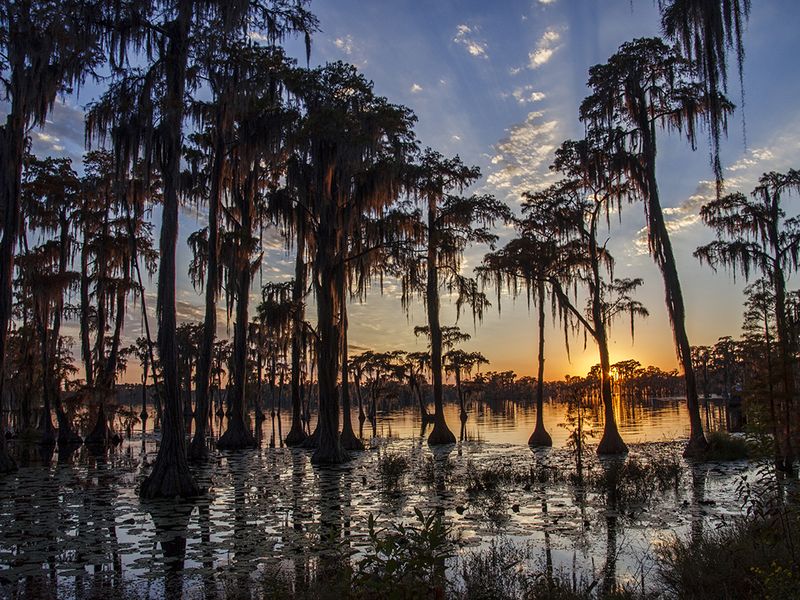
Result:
[{"x": 499, "y": 83}]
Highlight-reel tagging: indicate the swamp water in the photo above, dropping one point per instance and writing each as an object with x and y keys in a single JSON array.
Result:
[{"x": 75, "y": 528}]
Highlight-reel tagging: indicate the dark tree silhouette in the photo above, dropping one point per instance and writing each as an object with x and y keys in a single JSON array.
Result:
[
  {"x": 45, "y": 49},
  {"x": 705, "y": 31},
  {"x": 347, "y": 131},
  {"x": 754, "y": 234},
  {"x": 647, "y": 85},
  {"x": 452, "y": 223},
  {"x": 526, "y": 264}
]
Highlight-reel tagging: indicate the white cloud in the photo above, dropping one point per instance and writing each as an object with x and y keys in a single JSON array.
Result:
[
  {"x": 522, "y": 158},
  {"x": 62, "y": 134},
  {"x": 345, "y": 44},
  {"x": 546, "y": 2},
  {"x": 745, "y": 173},
  {"x": 415, "y": 88},
  {"x": 545, "y": 48},
  {"x": 526, "y": 93},
  {"x": 465, "y": 35}
]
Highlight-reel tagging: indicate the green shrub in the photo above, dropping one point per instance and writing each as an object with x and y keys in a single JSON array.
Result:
[{"x": 405, "y": 561}]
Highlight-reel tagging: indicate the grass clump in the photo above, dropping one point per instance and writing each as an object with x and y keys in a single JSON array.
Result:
[
  {"x": 488, "y": 479},
  {"x": 392, "y": 469},
  {"x": 724, "y": 446},
  {"x": 750, "y": 559},
  {"x": 636, "y": 480}
]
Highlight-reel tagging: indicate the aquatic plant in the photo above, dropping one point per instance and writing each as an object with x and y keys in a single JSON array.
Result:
[
  {"x": 405, "y": 561},
  {"x": 392, "y": 467}
]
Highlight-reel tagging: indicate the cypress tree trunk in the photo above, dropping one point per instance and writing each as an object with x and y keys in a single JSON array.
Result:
[
  {"x": 11, "y": 152},
  {"x": 10, "y": 174},
  {"x": 361, "y": 414},
  {"x": 611, "y": 442},
  {"x": 540, "y": 437},
  {"x": 86, "y": 348},
  {"x": 329, "y": 448},
  {"x": 440, "y": 434},
  {"x": 787, "y": 370},
  {"x": 661, "y": 248},
  {"x": 348, "y": 438},
  {"x": 238, "y": 435},
  {"x": 417, "y": 391},
  {"x": 296, "y": 434},
  {"x": 66, "y": 433},
  {"x": 46, "y": 430},
  {"x": 170, "y": 476},
  {"x": 463, "y": 413}
]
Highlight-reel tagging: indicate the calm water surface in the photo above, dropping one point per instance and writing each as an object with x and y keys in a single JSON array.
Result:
[{"x": 75, "y": 528}]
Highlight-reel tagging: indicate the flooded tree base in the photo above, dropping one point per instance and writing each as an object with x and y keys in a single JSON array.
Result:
[
  {"x": 296, "y": 436},
  {"x": 198, "y": 449},
  {"x": 349, "y": 441},
  {"x": 441, "y": 434},
  {"x": 611, "y": 443},
  {"x": 333, "y": 455},
  {"x": 236, "y": 437},
  {"x": 697, "y": 447},
  {"x": 7, "y": 464},
  {"x": 540, "y": 438},
  {"x": 169, "y": 479}
]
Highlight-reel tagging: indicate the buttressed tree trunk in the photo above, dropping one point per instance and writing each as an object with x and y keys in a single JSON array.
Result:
[
  {"x": 540, "y": 437},
  {"x": 170, "y": 476},
  {"x": 440, "y": 434},
  {"x": 611, "y": 442},
  {"x": 198, "y": 449},
  {"x": 238, "y": 435},
  {"x": 66, "y": 433}
]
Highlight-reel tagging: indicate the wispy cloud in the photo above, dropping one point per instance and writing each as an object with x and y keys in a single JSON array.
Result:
[
  {"x": 62, "y": 135},
  {"x": 522, "y": 158},
  {"x": 345, "y": 44},
  {"x": 526, "y": 94},
  {"x": 742, "y": 176},
  {"x": 545, "y": 48},
  {"x": 466, "y": 36},
  {"x": 415, "y": 88}
]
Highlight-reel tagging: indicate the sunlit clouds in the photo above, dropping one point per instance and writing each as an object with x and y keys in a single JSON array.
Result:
[
  {"x": 345, "y": 44},
  {"x": 466, "y": 36},
  {"x": 526, "y": 94},
  {"x": 522, "y": 157},
  {"x": 545, "y": 49}
]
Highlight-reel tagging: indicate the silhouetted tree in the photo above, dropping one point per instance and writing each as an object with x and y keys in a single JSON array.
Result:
[
  {"x": 645, "y": 86},
  {"x": 452, "y": 223},
  {"x": 754, "y": 234}
]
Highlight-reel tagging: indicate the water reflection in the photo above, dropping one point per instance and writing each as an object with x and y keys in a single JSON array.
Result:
[{"x": 74, "y": 527}]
